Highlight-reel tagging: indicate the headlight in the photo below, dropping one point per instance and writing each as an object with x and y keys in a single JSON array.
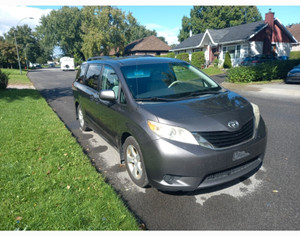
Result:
[
  {"x": 202, "y": 141},
  {"x": 256, "y": 114},
  {"x": 172, "y": 132}
]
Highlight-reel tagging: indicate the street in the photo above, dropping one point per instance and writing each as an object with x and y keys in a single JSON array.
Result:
[{"x": 266, "y": 200}]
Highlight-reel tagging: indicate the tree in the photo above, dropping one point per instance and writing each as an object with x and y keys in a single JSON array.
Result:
[
  {"x": 91, "y": 31},
  {"x": 136, "y": 31},
  {"x": 103, "y": 30},
  {"x": 186, "y": 26},
  {"x": 8, "y": 54},
  {"x": 28, "y": 45},
  {"x": 217, "y": 17},
  {"x": 227, "y": 61},
  {"x": 106, "y": 29},
  {"x": 61, "y": 28}
]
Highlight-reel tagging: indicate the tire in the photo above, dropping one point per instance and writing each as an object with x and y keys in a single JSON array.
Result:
[
  {"x": 134, "y": 162},
  {"x": 81, "y": 120}
]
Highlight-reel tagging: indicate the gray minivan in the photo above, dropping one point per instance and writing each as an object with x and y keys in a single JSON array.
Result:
[{"x": 174, "y": 127}]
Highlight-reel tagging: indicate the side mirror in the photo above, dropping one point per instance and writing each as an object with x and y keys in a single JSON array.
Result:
[{"x": 108, "y": 95}]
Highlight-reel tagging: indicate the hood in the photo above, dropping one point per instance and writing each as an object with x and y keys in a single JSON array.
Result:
[
  {"x": 205, "y": 113},
  {"x": 295, "y": 70}
]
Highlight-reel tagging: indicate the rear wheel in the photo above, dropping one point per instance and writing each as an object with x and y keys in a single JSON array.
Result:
[
  {"x": 134, "y": 162},
  {"x": 82, "y": 122}
]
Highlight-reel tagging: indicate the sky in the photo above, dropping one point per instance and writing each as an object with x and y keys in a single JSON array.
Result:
[{"x": 164, "y": 16}]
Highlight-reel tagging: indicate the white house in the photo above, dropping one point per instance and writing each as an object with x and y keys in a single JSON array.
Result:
[{"x": 262, "y": 37}]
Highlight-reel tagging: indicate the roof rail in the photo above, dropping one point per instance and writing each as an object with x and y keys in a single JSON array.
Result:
[
  {"x": 136, "y": 56},
  {"x": 99, "y": 58}
]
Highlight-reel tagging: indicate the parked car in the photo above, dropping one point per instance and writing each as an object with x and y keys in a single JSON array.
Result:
[
  {"x": 51, "y": 65},
  {"x": 283, "y": 58},
  {"x": 252, "y": 61},
  {"x": 36, "y": 65},
  {"x": 175, "y": 128},
  {"x": 293, "y": 75}
]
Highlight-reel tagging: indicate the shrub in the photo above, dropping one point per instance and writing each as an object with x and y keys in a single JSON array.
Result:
[
  {"x": 183, "y": 56},
  {"x": 262, "y": 72},
  {"x": 3, "y": 80},
  {"x": 171, "y": 54},
  {"x": 227, "y": 61},
  {"x": 198, "y": 59},
  {"x": 216, "y": 62}
]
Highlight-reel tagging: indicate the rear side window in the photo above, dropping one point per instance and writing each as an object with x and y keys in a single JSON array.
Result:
[{"x": 92, "y": 76}]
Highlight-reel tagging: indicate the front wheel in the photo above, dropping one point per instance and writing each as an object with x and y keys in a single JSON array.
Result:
[
  {"x": 82, "y": 123},
  {"x": 134, "y": 162}
]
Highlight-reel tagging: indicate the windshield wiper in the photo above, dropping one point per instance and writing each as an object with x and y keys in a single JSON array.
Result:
[
  {"x": 155, "y": 99},
  {"x": 199, "y": 93}
]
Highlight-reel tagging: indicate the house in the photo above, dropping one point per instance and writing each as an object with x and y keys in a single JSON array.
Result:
[
  {"x": 262, "y": 37},
  {"x": 295, "y": 31},
  {"x": 147, "y": 46}
]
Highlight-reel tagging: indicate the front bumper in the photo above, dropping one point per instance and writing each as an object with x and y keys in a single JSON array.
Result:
[
  {"x": 293, "y": 78},
  {"x": 174, "y": 166}
]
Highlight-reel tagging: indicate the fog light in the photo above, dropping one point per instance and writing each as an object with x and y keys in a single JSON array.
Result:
[{"x": 171, "y": 179}]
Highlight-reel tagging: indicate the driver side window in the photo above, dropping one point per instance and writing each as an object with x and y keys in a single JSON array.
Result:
[{"x": 110, "y": 80}]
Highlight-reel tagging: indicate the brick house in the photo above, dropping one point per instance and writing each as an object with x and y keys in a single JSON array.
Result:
[
  {"x": 147, "y": 46},
  {"x": 262, "y": 37}
]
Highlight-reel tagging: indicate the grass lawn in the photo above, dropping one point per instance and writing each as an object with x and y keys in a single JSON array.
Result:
[
  {"x": 213, "y": 71},
  {"x": 16, "y": 78},
  {"x": 46, "y": 181}
]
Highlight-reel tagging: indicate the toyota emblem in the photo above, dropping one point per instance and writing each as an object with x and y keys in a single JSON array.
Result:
[{"x": 233, "y": 124}]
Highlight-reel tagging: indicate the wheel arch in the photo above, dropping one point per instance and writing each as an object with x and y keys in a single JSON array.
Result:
[{"x": 124, "y": 136}]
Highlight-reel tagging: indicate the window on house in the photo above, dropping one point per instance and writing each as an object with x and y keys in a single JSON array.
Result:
[
  {"x": 224, "y": 52},
  {"x": 234, "y": 51},
  {"x": 231, "y": 50}
]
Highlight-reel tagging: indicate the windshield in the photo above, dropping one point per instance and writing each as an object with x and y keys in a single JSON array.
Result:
[{"x": 167, "y": 81}]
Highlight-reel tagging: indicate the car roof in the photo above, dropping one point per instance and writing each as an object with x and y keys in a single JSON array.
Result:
[{"x": 128, "y": 61}]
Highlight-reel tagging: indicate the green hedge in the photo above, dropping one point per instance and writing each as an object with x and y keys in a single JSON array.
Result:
[
  {"x": 183, "y": 56},
  {"x": 198, "y": 59},
  {"x": 3, "y": 80},
  {"x": 262, "y": 72},
  {"x": 171, "y": 54}
]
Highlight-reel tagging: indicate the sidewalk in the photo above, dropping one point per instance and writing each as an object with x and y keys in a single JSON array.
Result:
[
  {"x": 272, "y": 89},
  {"x": 21, "y": 86}
]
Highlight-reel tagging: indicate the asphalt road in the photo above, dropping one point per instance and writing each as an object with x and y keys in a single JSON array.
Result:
[{"x": 266, "y": 200}]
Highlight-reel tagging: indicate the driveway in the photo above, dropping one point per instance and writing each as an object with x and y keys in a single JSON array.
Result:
[{"x": 266, "y": 200}]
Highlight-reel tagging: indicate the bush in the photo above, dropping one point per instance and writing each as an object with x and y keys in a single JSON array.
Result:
[
  {"x": 262, "y": 72},
  {"x": 227, "y": 61},
  {"x": 198, "y": 59},
  {"x": 171, "y": 54},
  {"x": 183, "y": 56},
  {"x": 216, "y": 62},
  {"x": 3, "y": 80}
]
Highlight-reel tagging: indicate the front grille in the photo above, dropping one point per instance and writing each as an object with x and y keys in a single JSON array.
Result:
[{"x": 222, "y": 139}]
